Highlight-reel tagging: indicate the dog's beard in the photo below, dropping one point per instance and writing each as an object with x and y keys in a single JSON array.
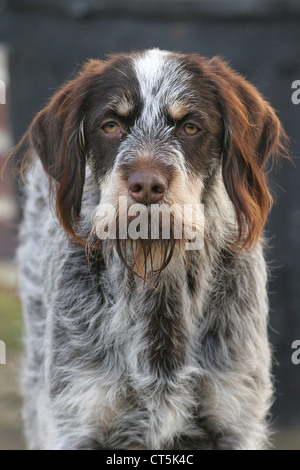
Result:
[{"x": 148, "y": 249}]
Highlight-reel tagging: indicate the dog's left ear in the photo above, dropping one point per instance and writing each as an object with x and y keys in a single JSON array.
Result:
[
  {"x": 57, "y": 136},
  {"x": 252, "y": 132}
]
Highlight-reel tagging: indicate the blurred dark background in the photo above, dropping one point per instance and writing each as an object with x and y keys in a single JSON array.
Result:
[{"x": 47, "y": 40}]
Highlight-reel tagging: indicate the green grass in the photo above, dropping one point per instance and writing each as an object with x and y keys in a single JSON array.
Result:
[
  {"x": 10, "y": 321},
  {"x": 11, "y": 433}
]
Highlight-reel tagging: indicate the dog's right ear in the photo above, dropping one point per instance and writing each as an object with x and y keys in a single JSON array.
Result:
[
  {"x": 48, "y": 132},
  {"x": 57, "y": 136},
  {"x": 54, "y": 135}
]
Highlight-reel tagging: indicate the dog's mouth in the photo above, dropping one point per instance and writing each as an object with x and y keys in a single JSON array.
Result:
[{"x": 147, "y": 238}]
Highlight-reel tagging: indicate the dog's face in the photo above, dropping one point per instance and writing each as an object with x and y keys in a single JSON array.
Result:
[
  {"x": 155, "y": 127},
  {"x": 153, "y": 114},
  {"x": 151, "y": 122}
]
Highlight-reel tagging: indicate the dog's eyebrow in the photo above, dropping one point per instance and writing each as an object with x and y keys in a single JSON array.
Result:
[
  {"x": 123, "y": 105},
  {"x": 178, "y": 109}
]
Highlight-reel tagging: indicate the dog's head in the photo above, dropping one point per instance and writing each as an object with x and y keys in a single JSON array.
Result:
[{"x": 156, "y": 127}]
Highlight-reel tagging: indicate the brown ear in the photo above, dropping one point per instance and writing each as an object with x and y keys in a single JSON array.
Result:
[
  {"x": 56, "y": 136},
  {"x": 252, "y": 132}
]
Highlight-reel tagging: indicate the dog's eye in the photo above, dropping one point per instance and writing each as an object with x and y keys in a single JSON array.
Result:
[
  {"x": 189, "y": 129},
  {"x": 111, "y": 128}
]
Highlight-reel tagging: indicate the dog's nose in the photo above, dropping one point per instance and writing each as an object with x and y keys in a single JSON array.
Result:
[{"x": 147, "y": 186}]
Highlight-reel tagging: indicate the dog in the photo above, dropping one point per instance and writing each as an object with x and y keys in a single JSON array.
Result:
[{"x": 148, "y": 342}]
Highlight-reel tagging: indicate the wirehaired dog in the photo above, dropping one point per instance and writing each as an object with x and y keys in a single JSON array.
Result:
[{"x": 139, "y": 342}]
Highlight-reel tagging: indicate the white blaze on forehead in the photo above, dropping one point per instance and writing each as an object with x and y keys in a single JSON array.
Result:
[
  {"x": 162, "y": 80},
  {"x": 149, "y": 68}
]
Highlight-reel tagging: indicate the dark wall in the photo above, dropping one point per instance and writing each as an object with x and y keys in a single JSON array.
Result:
[{"x": 47, "y": 47}]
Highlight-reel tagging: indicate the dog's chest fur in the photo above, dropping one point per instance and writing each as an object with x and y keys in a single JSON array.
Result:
[{"x": 135, "y": 349}]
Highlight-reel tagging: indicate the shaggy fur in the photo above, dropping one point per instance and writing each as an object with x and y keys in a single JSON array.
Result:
[{"x": 123, "y": 352}]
